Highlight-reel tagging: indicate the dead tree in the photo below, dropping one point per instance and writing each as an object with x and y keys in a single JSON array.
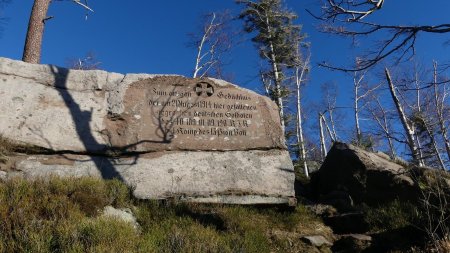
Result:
[
  {"x": 358, "y": 96},
  {"x": 422, "y": 117},
  {"x": 349, "y": 18},
  {"x": 213, "y": 40},
  {"x": 407, "y": 126},
  {"x": 33, "y": 42},
  {"x": 329, "y": 102},
  {"x": 301, "y": 70},
  {"x": 380, "y": 115},
  {"x": 440, "y": 97},
  {"x": 324, "y": 129},
  {"x": 323, "y": 146},
  {"x": 88, "y": 62}
]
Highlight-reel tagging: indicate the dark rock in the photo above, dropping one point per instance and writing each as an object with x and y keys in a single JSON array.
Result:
[
  {"x": 398, "y": 240},
  {"x": 339, "y": 199},
  {"x": 347, "y": 223},
  {"x": 352, "y": 243},
  {"x": 365, "y": 176}
]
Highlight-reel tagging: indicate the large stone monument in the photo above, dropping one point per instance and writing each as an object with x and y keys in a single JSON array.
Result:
[{"x": 203, "y": 140}]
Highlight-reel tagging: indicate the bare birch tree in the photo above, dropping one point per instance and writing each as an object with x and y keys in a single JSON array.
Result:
[
  {"x": 406, "y": 124},
  {"x": 422, "y": 115},
  {"x": 381, "y": 117},
  {"x": 88, "y": 62},
  {"x": 329, "y": 91},
  {"x": 301, "y": 70},
  {"x": 323, "y": 145},
  {"x": 361, "y": 91},
  {"x": 213, "y": 40},
  {"x": 440, "y": 96},
  {"x": 35, "y": 33}
]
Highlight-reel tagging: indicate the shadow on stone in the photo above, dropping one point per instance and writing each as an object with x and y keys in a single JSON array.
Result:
[{"x": 81, "y": 120}]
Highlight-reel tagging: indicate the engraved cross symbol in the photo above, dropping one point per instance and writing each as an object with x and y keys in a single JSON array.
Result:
[{"x": 203, "y": 89}]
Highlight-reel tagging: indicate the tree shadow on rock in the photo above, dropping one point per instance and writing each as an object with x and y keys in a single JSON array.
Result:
[{"x": 81, "y": 119}]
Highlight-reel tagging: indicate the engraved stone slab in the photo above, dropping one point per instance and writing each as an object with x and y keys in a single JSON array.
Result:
[
  {"x": 177, "y": 113},
  {"x": 95, "y": 111}
]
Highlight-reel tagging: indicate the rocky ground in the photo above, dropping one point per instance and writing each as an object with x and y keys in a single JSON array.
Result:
[
  {"x": 375, "y": 204},
  {"x": 358, "y": 201}
]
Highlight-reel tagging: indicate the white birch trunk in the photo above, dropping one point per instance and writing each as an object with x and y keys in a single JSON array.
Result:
[
  {"x": 277, "y": 80},
  {"x": 356, "y": 112},
  {"x": 409, "y": 131},
  {"x": 439, "y": 104},
  {"x": 300, "y": 139},
  {"x": 323, "y": 147},
  {"x": 198, "y": 60}
]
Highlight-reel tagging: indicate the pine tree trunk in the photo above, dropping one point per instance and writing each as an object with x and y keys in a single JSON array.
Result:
[{"x": 33, "y": 42}]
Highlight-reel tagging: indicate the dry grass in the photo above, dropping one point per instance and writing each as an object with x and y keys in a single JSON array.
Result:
[
  {"x": 9, "y": 147},
  {"x": 6, "y": 149},
  {"x": 63, "y": 215}
]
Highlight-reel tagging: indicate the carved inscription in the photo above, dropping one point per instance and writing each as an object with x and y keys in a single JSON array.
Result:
[
  {"x": 198, "y": 110},
  {"x": 177, "y": 113}
]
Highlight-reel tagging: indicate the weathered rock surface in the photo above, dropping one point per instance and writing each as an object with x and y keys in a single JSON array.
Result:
[
  {"x": 252, "y": 176},
  {"x": 363, "y": 177},
  {"x": 93, "y": 111},
  {"x": 166, "y": 136},
  {"x": 123, "y": 214},
  {"x": 317, "y": 240}
]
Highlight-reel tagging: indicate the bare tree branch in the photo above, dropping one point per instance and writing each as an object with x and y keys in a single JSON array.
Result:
[
  {"x": 213, "y": 40},
  {"x": 348, "y": 18}
]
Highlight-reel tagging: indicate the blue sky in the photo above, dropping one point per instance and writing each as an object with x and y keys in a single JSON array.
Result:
[{"x": 145, "y": 36}]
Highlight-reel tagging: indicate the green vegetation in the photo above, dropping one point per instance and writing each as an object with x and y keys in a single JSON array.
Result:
[
  {"x": 391, "y": 216},
  {"x": 6, "y": 148},
  {"x": 64, "y": 215}
]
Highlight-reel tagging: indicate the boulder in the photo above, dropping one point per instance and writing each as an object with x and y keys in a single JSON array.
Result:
[
  {"x": 352, "y": 243},
  {"x": 249, "y": 177},
  {"x": 316, "y": 240},
  {"x": 123, "y": 214},
  {"x": 166, "y": 136},
  {"x": 363, "y": 176},
  {"x": 95, "y": 111}
]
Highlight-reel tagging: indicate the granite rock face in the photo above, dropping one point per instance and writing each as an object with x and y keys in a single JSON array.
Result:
[
  {"x": 93, "y": 111},
  {"x": 182, "y": 174},
  {"x": 166, "y": 136}
]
